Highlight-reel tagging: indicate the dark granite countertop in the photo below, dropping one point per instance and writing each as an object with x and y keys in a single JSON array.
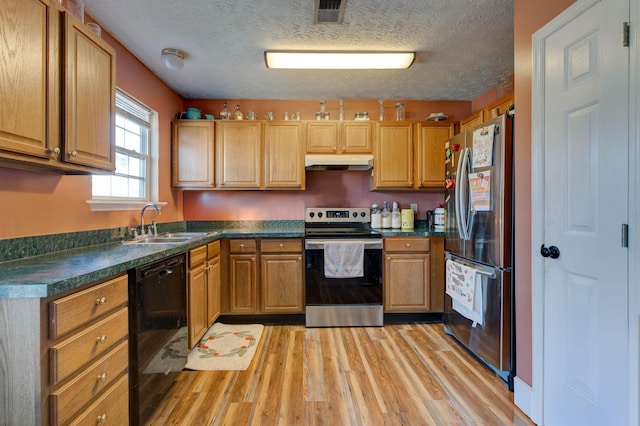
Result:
[{"x": 47, "y": 274}]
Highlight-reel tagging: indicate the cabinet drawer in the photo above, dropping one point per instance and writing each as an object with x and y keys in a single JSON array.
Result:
[
  {"x": 111, "y": 408},
  {"x": 197, "y": 256},
  {"x": 281, "y": 246},
  {"x": 71, "y": 312},
  {"x": 213, "y": 249},
  {"x": 407, "y": 244},
  {"x": 71, "y": 397},
  {"x": 242, "y": 246},
  {"x": 74, "y": 352}
]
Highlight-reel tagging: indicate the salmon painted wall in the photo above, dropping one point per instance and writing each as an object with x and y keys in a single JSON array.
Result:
[
  {"x": 529, "y": 16},
  {"x": 36, "y": 203},
  {"x": 323, "y": 188}
]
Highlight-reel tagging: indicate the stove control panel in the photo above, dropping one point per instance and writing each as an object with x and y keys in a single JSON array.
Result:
[{"x": 337, "y": 215}]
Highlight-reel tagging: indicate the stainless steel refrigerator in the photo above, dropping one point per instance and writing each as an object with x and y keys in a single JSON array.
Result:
[{"x": 478, "y": 243}]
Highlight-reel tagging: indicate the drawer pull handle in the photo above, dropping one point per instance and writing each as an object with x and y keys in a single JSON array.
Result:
[
  {"x": 408, "y": 244},
  {"x": 101, "y": 419},
  {"x": 281, "y": 245},
  {"x": 101, "y": 377},
  {"x": 241, "y": 246},
  {"x": 101, "y": 339},
  {"x": 101, "y": 301}
]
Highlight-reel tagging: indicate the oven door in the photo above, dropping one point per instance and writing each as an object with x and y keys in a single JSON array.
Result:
[{"x": 342, "y": 302}]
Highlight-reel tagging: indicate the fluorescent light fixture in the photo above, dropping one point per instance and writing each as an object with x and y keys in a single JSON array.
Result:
[{"x": 338, "y": 60}]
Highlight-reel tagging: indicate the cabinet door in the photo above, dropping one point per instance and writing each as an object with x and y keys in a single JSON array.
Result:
[
  {"x": 472, "y": 121},
  {"x": 29, "y": 82},
  {"x": 406, "y": 282},
  {"x": 90, "y": 97},
  {"x": 430, "y": 155},
  {"x": 356, "y": 138},
  {"x": 213, "y": 290},
  {"x": 393, "y": 160},
  {"x": 322, "y": 137},
  {"x": 501, "y": 105},
  {"x": 239, "y": 160},
  {"x": 192, "y": 160},
  {"x": 282, "y": 283},
  {"x": 197, "y": 304},
  {"x": 284, "y": 151},
  {"x": 242, "y": 284}
]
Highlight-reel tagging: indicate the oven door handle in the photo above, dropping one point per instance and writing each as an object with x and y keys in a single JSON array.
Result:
[{"x": 320, "y": 243}]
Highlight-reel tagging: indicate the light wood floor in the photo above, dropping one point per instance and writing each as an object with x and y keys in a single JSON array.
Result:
[{"x": 409, "y": 374}]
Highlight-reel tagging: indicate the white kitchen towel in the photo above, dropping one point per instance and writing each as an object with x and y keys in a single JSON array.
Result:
[
  {"x": 465, "y": 288},
  {"x": 344, "y": 259}
]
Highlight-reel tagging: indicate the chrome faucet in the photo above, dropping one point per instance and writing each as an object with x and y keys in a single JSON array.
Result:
[{"x": 155, "y": 206}]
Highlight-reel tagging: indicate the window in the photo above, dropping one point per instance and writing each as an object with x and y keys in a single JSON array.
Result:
[{"x": 134, "y": 180}]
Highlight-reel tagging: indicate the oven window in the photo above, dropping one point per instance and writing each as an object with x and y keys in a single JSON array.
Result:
[{"x": 343, "y": 291}]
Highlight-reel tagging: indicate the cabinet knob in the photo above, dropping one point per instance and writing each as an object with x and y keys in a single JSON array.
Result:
[
  {"x": 420, "y": 185},
  {"x": 280, "y": 245},
  {"x": 101, "y": 339},
  {"x": 334, "y": 148},
  {"x": 101, "y": 301},
  {"x": 408, "y": 244},
  {"x": 73, "y": 153},
  {"x": 253, "y": 259},
  {"x": 101, "y": 419},
  {"x": 101, "y": 377},
  {"x": 388, "y": 258},
  {"x": 299, "y": 257},
  {"x": 54, "y": 151},
  {"x": 241, "y": 246}
]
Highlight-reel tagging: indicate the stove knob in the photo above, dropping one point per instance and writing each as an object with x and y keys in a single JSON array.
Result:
[
  {"x": 355, "y": 214},
  {"x": 320, "y": 214},
  {"x": 363, "y": 214},
  {"x": 311, "y": 214}
]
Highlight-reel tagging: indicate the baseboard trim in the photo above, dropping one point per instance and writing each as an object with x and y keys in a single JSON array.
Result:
[{"x": 523, "y": 397}]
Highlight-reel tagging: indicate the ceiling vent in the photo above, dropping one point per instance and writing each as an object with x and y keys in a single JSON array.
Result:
[{"x": 329, "y": 11}]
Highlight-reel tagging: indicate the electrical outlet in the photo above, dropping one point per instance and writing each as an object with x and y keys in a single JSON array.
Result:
[{"x": 414, "y": 206}]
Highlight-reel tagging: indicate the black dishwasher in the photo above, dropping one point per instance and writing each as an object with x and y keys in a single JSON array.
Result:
[{"x": 157, "y": 333}]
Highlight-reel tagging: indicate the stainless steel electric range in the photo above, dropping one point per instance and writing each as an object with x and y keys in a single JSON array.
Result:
[{"x": 354, "y": 299}]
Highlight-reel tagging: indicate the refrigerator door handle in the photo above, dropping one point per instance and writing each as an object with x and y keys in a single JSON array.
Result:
[{"x": 462, "y": 196}]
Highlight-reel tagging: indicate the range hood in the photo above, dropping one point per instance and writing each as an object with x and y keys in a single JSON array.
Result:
[{"x": 338, "y": 162}]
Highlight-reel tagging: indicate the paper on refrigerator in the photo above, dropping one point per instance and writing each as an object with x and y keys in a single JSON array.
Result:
[{"x": 483, "y": 146}]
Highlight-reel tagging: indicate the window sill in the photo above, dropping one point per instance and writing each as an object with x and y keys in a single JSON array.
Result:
[{"x": 113, "y": 205}]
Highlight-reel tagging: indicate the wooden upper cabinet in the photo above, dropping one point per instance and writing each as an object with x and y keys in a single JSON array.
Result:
[
  {"x": 322, "y": 137},
  {"x": 356, "y": 137},
  {"x": 29, "y": 82},
  {"x": 393, "y": 158},
  {"x": 192, "y": 146},
  {"x": 339, "y": 137},
  {"x": 471, "y": 121},
  {"x": 50, "y": 59},
  {"x": 284, "y": 155},
  {"x": 430, "y": 155},
  {"x": 239, "y": 154},
  {"x": 90, "y": 97},
  {"x": 501, "y": 105}
]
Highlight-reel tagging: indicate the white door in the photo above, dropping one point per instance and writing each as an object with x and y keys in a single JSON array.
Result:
[{"x": 583, "y": 116}]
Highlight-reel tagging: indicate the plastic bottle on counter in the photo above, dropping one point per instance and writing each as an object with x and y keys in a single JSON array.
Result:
[
  {"x": 376, "y": 217},
  {"x": 396, "y": 218},
  {"x": 386, "y": 216}
]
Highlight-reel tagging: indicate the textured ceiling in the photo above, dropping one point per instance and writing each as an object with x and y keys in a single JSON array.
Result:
[{"x": 463, "y": 46}]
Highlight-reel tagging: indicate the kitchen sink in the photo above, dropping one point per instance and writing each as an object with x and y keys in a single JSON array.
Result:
[{"x": 169, "y": 238}]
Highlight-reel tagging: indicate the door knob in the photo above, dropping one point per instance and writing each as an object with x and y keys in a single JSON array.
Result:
[{"x": 552, "y": 252}]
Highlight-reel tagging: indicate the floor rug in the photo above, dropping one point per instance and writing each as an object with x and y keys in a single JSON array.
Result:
[
  {"x": 225, "y": 347},
  {"x": 172, "y": 355}
]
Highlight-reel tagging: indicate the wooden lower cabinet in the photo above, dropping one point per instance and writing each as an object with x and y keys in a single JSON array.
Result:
[
  {"x": 243, "y": 297},
  {"x": 265, "y": 276},
  {"x": 66, "y": 357},
  {"x": 282, "y": 276},
  {"x": 203, "y": 290},
  {"x": 413, "y": 274}
]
